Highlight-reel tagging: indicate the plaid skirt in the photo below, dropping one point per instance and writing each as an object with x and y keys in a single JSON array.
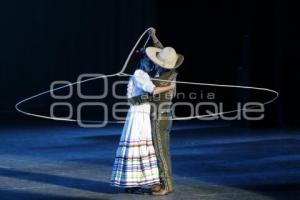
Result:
[{"x": 135, "y": 162}]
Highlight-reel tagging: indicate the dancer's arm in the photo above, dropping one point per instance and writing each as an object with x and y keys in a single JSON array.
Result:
[
  {"x": 155, "y": 40},
  {"x": 143, "y": 81},
  {"x": 158, "y": 90}
]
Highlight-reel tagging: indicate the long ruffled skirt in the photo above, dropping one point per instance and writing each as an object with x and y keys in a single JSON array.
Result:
[{"x": 136, "y": 163}]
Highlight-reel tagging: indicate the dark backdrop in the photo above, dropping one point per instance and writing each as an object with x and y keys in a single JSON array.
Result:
[
  {"x": 43, "y": 41},
  {"x": 229, "y": 42},
  {"x": 240, "y": 42}
]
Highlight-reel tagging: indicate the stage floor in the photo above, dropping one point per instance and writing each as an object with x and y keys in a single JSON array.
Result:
[{"x": 64, "y": 161}]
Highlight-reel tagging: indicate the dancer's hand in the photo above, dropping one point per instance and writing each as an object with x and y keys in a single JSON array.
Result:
[
  {"x": 152, "y": 32},
  {"x": 172, "y": 86},
  {"x": 173, "y": 90}
]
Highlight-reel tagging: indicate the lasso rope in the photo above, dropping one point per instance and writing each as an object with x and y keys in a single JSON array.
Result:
[{"x": 121, "y": 73}]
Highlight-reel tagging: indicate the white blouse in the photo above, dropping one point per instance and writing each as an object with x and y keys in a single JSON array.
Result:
[{"x": 139, "y": 83}]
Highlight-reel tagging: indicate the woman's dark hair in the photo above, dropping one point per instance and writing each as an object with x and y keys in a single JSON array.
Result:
[
  {"x": 140, "y": 53},
  {"x": 145, "y": 63}
]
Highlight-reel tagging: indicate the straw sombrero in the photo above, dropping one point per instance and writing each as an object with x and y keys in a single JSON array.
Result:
[{"x": 166, "y": 58}]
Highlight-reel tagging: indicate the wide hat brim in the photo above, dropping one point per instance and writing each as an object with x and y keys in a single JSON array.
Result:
[{"x": 152, "y": 53}]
